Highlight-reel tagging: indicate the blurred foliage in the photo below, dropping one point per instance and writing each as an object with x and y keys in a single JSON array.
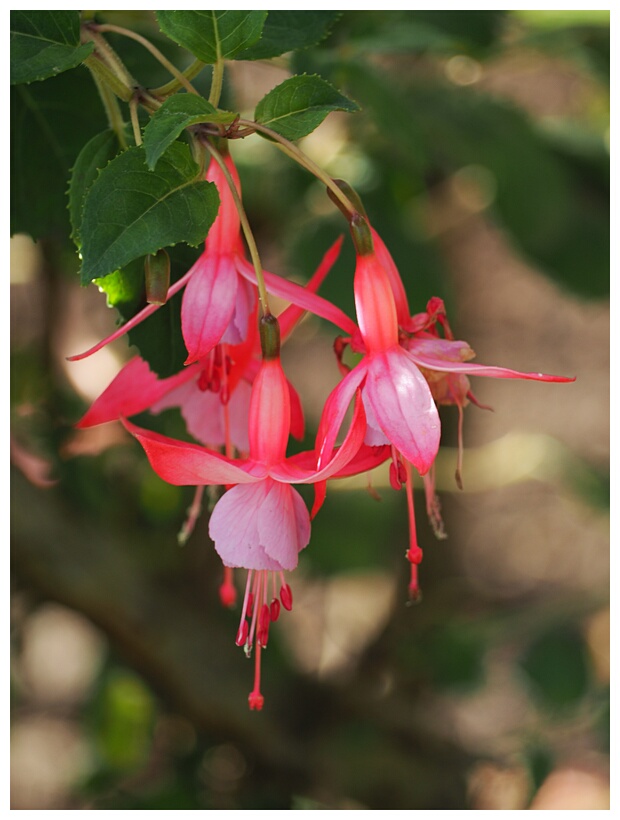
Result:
[{"x": 166, "y": 722}]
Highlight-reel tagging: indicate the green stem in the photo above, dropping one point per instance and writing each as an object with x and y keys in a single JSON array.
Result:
[
  {"x": 216, "y": 83},
  {"x": 178, "y": 75},
  {"x": 110, "y": 103},
  {"x": 107, "y": 54},
  {"x": 247, "y": 231},
  {"x": 295, "y": 153},
  {"x": 135, "y": 122},
  {"x": 108, "y": 78},
  {"x": 170, "y": 88}
]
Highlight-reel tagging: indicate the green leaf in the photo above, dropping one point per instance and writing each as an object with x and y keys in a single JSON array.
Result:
[
  {"x": 298, "y": 105},
  {"x": 290, "y": 30},
  {"x": 50, "y": 123},
  {"x": 131, "y": 211},
  {"x": 212, "y": 35},
  {"x": 177, "y": 112},
  {"x": 45, "y": 43},
  {"x": 95, "y": 155}
]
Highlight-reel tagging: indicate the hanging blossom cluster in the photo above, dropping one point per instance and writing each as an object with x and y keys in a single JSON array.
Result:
[{"x": 238, "y": 403}]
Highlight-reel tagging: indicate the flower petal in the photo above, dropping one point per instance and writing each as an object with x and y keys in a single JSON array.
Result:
[
  {"x": 178, "y": 462},
  {"x": 208, "y": 304},
  {"x": 448, "y": 356},
  {"x": 233, "y": 528},
  {"x": 403, "y": 406},
  {"x": 294, "y": 471},
  {"x": 246, "y": 301},
  {"x": 335, "y": 409},
  {"x": 261, "y": 526},
  {"x": 134, "y": 389},
  {"x": 283, "y": 524}
]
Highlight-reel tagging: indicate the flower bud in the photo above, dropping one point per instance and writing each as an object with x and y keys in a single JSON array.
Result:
[{"x": 157, "y": 277}]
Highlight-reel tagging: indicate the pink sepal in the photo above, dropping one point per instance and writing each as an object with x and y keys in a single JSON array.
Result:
[
  {"x": 450, "y": 356},
  {"x": 296, "y": 470},
  {"x": 135, "y": 320},
  {"x": 134, "y": 389},
  {"x": 179, "y": 462},
  {"x": 289, "y": 317},
  {"x": 298, "y": 424},
  {"x": 299, "y": 296},
  {"x": 403, "y": 405},
  {"x": 335, "y": 409},
  {"x": 396, "y": 283}
]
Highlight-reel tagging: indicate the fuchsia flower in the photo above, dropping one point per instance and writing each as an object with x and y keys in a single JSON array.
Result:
[
  {"x": 213, "y": 393},
  {"x": 261, "y": 523},
  {"x": 407, "y": 369},
  {"x": 220, "y": 288}
]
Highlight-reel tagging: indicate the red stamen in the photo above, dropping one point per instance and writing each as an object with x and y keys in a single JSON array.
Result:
[
  {"x": 274, "y": 610},
  {"x": 242, "y": 634},
  {"x": 395, "y": 481},
  {"x": 286, "y": 596},
  {"x": 203, "y": 381},
  {"x": 264, "y": 617}
]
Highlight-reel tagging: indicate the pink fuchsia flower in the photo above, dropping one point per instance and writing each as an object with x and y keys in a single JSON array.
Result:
[
  {"x": 261, "y": 522},
  {"x": 406, "y": 370},
  {"x": 220, "y": 288},
  {"x": 214, "y": 393},
  {"x": 213, "y": 396},
  {"x": 399, "y": 405}
]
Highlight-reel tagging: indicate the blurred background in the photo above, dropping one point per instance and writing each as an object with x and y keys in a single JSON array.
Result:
[{"x": 482, "y": 155}]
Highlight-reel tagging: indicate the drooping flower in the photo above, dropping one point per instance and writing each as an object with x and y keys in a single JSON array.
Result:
[
  {"x": 261, "y": 522},
  {"x": 220, "y": 288},
  {"x": 213, "y": 394},
  {"x": 407, "y": 370}
]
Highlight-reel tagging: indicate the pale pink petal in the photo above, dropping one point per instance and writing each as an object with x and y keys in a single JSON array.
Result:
[
  {"x": 133, "y": 390},
  {"x": 448, "y": 356},
  {"x": 260, "y": 526},
  {"x": 208, "y": 304},
  {"x": 234, "y": 528},
  {"x": 283, "y": 525},
  {"x": 245, "y": 302},
  {"x": 298, "y": 295},
  {"x": 403, "y": 406},
  {"x": 178, "y": 462},
  {"x": 375, "y": 437}
]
